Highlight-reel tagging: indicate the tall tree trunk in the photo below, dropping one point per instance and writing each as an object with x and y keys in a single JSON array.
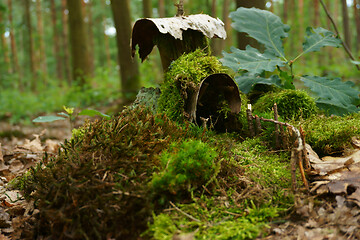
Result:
[
  {"x": 87, "y": 10},
  {"x": 30, "y": 45},
  {"x": 357, "y": 23},
  {"x": 106, "y": 38},
  {"x": 65, "y": 42},
  {"x": 285, "y": 11},
  {"x": 316, "y": 13},
  {"x": 216, "y": 43},
  {"x": 4, "y": 44},
  {"x": 346, "y": 23},
  {"x": 227, "y": 24},
  {"x": 162, "y": 13},
  {"x": 40, "y": 30},
  {"x": 14, "y": 56},
  {"x": 56, "y": 41},
  {"x": 242, "y": 39},
  {"x": 79, "y": 46},
  {"x": 301, "y": 18},
  {"x": 147, "y": 9},
  {"x": 129, "y": 71}
]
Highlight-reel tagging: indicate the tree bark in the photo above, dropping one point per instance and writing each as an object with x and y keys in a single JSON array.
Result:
[
  {"x": 227, "y": 23},
  {"x": 87, "y": 10},
  {"x": 285, "y": 11},
  {"x": 316, "y": 13},
  {"x": 357, "y": 23},
  {"x": 106, "y": 38},
  {"x": 14, "y": 56},
  {"x": 65, "y": 42},
  {"x": 79, "y": 46},
  {"x": 56, "y": 43},
  {"x": 41, "y": 44},
  {"x": 216, "y": 43},
  {"x": 242, "y": 39},
  {"x": 162, "y": 13},
  {"x": 4, "y": 45},
  {"x": 147, "y": 9},
  {"x": 30, "y": 45},
  {"x": 129, "y": 71},
  {"x": 346, "y": 24}
]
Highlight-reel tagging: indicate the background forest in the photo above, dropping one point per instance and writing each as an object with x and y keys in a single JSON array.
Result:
[{"x": 56, "y": 53}]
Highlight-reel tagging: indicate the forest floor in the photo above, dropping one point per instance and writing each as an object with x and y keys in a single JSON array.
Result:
[{"x": 328, "y": 216}]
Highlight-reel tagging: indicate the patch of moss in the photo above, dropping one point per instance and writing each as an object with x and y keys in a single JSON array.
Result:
[
  {"x": 292, "y": 104},
  {"x": 181, "y": 80},
  {"x": 331, "y": 135}
]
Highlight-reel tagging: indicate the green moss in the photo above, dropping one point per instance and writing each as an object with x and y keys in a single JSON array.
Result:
[
  {"x": 331, "y": 135},
  {"x": 292, "y": 104},
  {"x": 184, "y": 75}
]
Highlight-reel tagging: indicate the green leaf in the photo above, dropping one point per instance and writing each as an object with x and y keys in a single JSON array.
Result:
[
  {"x": 333, "y": 93},
  {"x": 48, "y": 119},
  {"x": 63, "y": 114},
  {"x": 246, "y": 83},
  {"x": 251, "y": 60},
  {"x": 92, "y": 113},
  {"x": 263, "y": 26},
  {"x": 318, "y": 38},
  {"x": 355, "y": 62}
]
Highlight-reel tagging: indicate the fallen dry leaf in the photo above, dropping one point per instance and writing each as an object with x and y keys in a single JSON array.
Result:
[{"x": 34, "y": 145}]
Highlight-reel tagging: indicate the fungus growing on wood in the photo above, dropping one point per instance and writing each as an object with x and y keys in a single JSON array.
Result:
[{"x": 175, "y": 36}]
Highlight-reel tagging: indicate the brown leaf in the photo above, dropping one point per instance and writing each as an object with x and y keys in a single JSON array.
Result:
[
  {"x": 51, "y": 146},
  {"x": 34, "y": 145},
  {"x": 1, "y": 154}
]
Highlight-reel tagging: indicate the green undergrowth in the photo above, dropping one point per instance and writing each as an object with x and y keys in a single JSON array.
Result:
[
  {"x": 331, "y": 135},
  {"x": 120, "y": 177},
  {"x": 181, "y": 79}
]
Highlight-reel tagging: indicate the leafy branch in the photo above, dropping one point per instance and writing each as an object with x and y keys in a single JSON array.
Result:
[{"x": 333, "y": 95}]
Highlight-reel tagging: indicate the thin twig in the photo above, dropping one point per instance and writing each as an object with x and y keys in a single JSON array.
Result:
[
  {"x": 184, "y": 213},
  {"x": 338, "y": 34}
]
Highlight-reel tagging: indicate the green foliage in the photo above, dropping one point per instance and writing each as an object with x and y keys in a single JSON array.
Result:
[
  {"x": 184, "y": 75},
  {"x": 292, "y": 104},
  {"x": 267, "y": 29},
  {"x": 185, "y": 167},
  {"x": 331, "y": 135}
]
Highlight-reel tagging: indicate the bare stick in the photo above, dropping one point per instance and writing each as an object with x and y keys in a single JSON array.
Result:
[
  {"x": 302, "y": 173},
  {"x": 250, "y": 120},
  {"x": 338, "y": 34},
  {"x": 276, "y": 117},
  {"x": 306, "y": 157},
  {"x": 184, "y": 213},
  {"x": 258, "y": 125}
]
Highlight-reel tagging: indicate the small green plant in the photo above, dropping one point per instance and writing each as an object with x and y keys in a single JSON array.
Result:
[
  {"x": 70, "y": 115},
  {"x": 333, "y": 95},
  {"x": 185, "y": 167}
]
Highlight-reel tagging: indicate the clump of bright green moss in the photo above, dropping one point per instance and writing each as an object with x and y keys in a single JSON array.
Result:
[
  {"x": 329, "y": 135},
  {"x": 292, "y": 104},
  {"x": 181, "y": 80}
]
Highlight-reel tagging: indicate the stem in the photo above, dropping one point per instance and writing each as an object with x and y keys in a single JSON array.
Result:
[{"x": 347, "y": 50}]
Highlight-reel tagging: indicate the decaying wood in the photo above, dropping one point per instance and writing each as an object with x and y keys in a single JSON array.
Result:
[
  {"x": 258, "y": 129},
  {"x": 250, "y": 120}
]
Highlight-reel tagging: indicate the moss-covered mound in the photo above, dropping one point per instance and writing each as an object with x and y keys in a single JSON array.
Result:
[
  {"x": 181, "y": 80},
  {"x": 331, "y": 135},
  {"x": 292, "y": 104},
  {"x": 117, "y": 177}
]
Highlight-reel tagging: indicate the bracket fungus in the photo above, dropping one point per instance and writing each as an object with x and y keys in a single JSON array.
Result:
[{"x": 175, "y": 36}]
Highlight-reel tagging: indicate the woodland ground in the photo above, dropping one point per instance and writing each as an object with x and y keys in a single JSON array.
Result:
[{"x": 313, "y": 217}]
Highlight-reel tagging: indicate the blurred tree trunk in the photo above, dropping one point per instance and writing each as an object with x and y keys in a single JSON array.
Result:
[
  {"x": 346, "y": 23},
  {"x": 106, "y": 38},
  {"x": 4, "y": 44},
  {"x": 357, "y": 23},
  {"x": 30, "y": 45},
  {"x": 65, "y": 42},
  {"x": 56, "y": 42},
  {"x": 88, "y": 21},
  {"x": 316, "y": 13},
  {"x": 285, "y": 11},
  {"x": 271, "y": 6},
  {"x": 129, "y": 71},
  {"x": 40, "y": 30},
  {"x": 242, "y": 39},
  {"x": 216, "y": 43},
  {"x": 79, "y": 45},
  {"x": 162, "y": 13},
  {"x": 227, "y": 24},
  {"x": 301, "y": 19},
  {"x": 14, "y": 56},
  {"x": 147, "y": 8}
]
